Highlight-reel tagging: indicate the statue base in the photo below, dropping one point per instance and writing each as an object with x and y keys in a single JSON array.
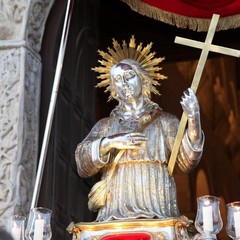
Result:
[{"x": 134, "y": 229}]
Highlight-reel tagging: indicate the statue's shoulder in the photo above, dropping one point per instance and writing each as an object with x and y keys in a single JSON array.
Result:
[
  {"x": 107, "y": 120},
  {"x": 166, "y": 117}
]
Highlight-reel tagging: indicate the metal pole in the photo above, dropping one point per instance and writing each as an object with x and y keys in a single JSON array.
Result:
[{"x": 52, "y": 103}]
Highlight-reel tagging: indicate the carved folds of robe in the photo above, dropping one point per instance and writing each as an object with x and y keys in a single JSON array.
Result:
[{"x": 140, "y": 186}]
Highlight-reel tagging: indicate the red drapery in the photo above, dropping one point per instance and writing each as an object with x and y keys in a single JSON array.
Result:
[{"x": 192, "y": 14}]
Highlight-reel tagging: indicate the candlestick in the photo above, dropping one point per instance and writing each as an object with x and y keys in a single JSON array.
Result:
[
  {"x": 207, "y": 218},
  {"x": 16, "y": 233},
  {"x": 39, "y": 224},
  {"x": 236, "y": 216},
  {"x": 38, "y": 229},
  {"x": 233, "y": 220},
  {"x": 15, "y": 226}
]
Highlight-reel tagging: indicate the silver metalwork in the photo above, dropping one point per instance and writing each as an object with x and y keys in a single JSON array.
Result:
[{"x": 133, "y": 148}]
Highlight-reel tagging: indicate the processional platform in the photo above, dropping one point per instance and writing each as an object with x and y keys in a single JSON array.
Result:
[{"x": 137, "y": 229}]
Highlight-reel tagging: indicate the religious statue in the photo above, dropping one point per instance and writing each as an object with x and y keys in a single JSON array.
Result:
[
  {"x": 135, "y": 142},
  {"x": 132, "y": 146}
]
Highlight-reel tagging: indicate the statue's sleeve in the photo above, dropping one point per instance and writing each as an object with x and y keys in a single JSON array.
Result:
[
  {"x": 188, "y": 156},
  {"x": 87, "y": 155}
]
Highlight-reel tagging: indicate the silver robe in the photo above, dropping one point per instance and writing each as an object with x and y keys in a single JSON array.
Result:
[{"x": 140, "y": 186}]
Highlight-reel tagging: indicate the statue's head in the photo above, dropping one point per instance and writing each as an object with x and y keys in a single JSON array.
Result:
[
  {"x": 129, "y": 79},
  {"x": 141, "y": 61}
]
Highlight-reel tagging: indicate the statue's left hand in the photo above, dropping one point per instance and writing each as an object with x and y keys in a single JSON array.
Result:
[
  {"x": 190, "y": 106},
  {"x": 190, "y": 103}
]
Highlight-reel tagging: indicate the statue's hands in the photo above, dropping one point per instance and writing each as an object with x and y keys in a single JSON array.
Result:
[
  {"x": 123, "y": 141},
  {"x": 190, "y": 103},
  {"x": 127, "y": 140},
  {"x": 191, "y": 108}
]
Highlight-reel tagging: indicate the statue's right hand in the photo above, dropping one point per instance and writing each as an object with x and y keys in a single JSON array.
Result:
[{"x": 123, "y": 141}]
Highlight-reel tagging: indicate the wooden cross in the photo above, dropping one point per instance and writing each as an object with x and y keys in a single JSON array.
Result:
[{"x": 206, "y": 47}]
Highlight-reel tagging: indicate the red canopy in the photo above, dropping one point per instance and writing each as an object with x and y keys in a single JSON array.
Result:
[{"x": 192, "y": 14}]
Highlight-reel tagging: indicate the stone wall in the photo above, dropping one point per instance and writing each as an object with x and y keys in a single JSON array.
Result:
[{"x": 21, "y": 29}]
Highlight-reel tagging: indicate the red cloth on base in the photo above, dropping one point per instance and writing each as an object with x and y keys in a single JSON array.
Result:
[{"x": 128, "y": 236}]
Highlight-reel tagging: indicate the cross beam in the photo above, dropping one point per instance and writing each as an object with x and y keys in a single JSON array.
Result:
[{"x": 206, "y": 47}]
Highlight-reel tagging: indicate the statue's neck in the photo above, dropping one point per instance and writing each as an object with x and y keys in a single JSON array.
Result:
[
  {"x": 126, "y": 111},
  {"x": 134, "y": 106}
]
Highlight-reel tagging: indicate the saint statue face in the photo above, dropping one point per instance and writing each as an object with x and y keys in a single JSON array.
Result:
[{"x": 126, "y": 82}]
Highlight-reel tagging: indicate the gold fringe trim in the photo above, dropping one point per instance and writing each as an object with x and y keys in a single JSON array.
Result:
[{"x": 196, "y": 24}]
